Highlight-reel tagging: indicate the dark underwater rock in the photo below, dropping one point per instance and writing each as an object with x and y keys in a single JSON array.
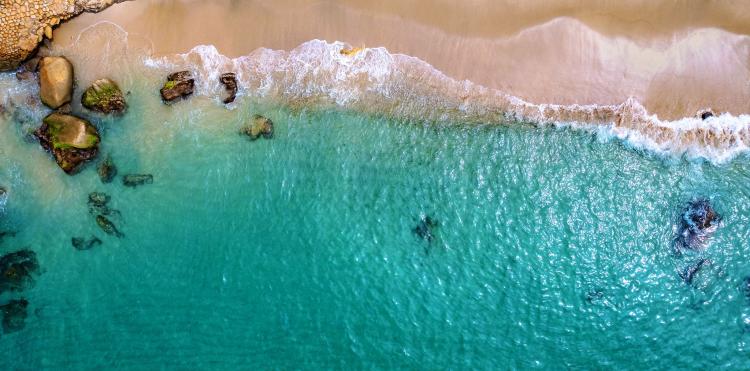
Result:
[
  {"x": 259, "y": 126},
  {"x": 134, "y": 180},
  {"x": 80, "y": 243},
  {"x": 98, "y": 199},
  {"x": 104, "y": 96},
  {"x": 16, "y": 270},
  {"x": 70, "y": 139},
  {"x": 4, "y": 234},
  {"x": 230, "y": 84},
  {"x": 14, "y": 315},
  {"x": 690, "y": 271},
  {"x": 178, "y": 85},
  {"x": 107, "y": 170},
  {"x": 108, "y": 227},
  {"x": 425, "y": 228},
  {"x": 698, "y": 221}
]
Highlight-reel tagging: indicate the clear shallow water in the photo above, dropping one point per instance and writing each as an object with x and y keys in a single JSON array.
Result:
[{"x": 299, "y": 252}]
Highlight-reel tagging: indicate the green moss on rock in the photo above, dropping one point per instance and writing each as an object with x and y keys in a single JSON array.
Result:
[{"x": 104, "y": 96}]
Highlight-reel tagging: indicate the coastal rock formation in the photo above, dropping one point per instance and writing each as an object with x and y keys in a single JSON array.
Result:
[
  {"x": 24, "y": 24},
  {"x": 80, "y": 243},
  {"x": 98, "y": 204},
  {"x": 107, "y": 226},
  {"x": 107, "y": 170},
  {"x": 14, "y": 315},
  {"x": 230, "y": 84},
  {"x": 178, "y": 85},
  {"x": 104, "y": 96},
  {"x": 259, "y": 126},
  {"x": 16, "y": 270},
  {"x": 134, "y": 180},
  {"x": 55, "y": 81},
  {"x": 698, "y": 222},
  {"x": 70, "y": 139}
]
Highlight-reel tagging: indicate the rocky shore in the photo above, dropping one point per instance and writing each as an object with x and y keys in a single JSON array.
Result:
[{"x": 26, "y": 23}]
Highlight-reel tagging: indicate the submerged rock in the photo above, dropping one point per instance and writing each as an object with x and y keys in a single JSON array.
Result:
[
  {"x": 689, "y": 273},
  {"x": 107, "y": 170},
  {"x": 14, "y": 315},
  {"x": 107, "y": 226},
  {"x": 98, "y": 204},
  {"x": 71, "y": 140},
  {"x": 745, "y": 287},
  {"x": 134, "y": 180},
  {"x": 698, "y": 222},
  {"x": 80, "y": 243},
  {"x": 425, "y": 227},
  {"x": 104, "y": 96},
  {"x": 55, "y": 81},
  {"x": 230, "y": 84},
  {"x": 4, "y": 234},
  {"x": 17, "y": 269},
  {"x": 259, "y": 126},
  {"x": 178, "y": 85}
]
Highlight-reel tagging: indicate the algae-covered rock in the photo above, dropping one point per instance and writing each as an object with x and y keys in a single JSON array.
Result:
[
  {"x": 14, "y": 315},
  {"x": 229, "y": 80},
  {"x": 257, "y": 127},
  {"x": 80, "y": 243},
  {"x": 16, "y": 270},
  {"x": 104, "y": 96},
  {"x": 107, "y": 226},
  {"x": 107, "y": 170},
  {"x": 71, "y": 140},
  {"x": 55, "y": 81},
  {"x": 134, "y": 180},
  {"x": 178, "y": 85}
]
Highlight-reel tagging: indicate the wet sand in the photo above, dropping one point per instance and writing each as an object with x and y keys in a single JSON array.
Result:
[{"x": 674, "y": 57}]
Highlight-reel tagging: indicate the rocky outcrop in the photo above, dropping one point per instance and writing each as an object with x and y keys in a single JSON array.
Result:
[
  {"x": 178, "y": 85},
  {"x": 24, "y": 24},
  {"x": 14, "y": 315},
  {"x": 70, "y": 139},
  {"x": 107, "y": 170},
  {"x": 17, "y": 270},
  {"x": 55, "y": 81},
  {"x": 108, "y": 227},
  {"x": 698, "y": 221},
  {"x": 104, "y": 96},
  {"x": 134, "y": 180},
  {"x": 229, "y": 80},
  {"x": 259, "y": 126}
]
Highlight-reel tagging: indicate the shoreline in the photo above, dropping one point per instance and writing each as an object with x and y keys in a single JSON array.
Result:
[{"x": 674, "y": 68}]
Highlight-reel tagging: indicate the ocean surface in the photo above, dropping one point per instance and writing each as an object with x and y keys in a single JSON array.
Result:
[{"x": 550, "y": 247}]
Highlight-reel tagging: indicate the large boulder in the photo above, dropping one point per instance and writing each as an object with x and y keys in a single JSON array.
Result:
[
  {"x": 178, "y": 85},
  {"x": 229, "y": 80},
  {"x": 259, "y": 126},
  {"x": 55, "y": 81},
  {"x": 70, "y": 139},
  {"x": 107, "y": 170},
  {"x": 134, "y": 180},
  {"x": 104, "y": 96}
]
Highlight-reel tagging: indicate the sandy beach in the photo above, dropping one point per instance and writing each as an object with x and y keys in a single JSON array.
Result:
[{"x": 674, "y": 57}]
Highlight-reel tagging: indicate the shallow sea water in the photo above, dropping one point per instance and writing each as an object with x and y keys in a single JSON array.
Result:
[{"x": 553, "y": 248}]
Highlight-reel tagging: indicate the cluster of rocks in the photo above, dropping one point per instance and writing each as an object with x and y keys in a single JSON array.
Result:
[
  {"x": 72, "y": 140},
  {"x": 17, "y": 272},
  {"x": 697, "y": 223}
]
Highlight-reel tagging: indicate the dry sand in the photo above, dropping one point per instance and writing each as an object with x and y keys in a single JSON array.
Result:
[{"x": 674, "y": 56}]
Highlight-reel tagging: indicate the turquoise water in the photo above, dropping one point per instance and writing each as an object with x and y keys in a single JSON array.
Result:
[{"x": 553, "y": 248}]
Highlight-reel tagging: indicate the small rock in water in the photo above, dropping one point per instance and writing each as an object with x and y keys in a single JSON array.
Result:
[
  {"x": 6, "y": 234},
  {"x": 706, "y": 114},
  {"x": 98, "y": 199},
  {"x": 230, "y": 84},
  {"x": 689, "y": 273},
  {"x": 134, "y": 180},
  {"x": 698, "y": 222},
  {"x": 14, "y": 315},
  {"x": 104, "y": 96},
  {"x": 107, "y": 170},
  {"x": 70, "y": 139},
  {"x": 17, "y": 269},
  {"x": 178, "y": 85},
  {"x": 260, "y": 126},
  {"x": 55, "y": 81},
  {"x": 107, "y": 226},
  {"x": 746, "y": 288},
  {"x": 80, "y": 243},
  {"x": 424, "y": 228}
]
